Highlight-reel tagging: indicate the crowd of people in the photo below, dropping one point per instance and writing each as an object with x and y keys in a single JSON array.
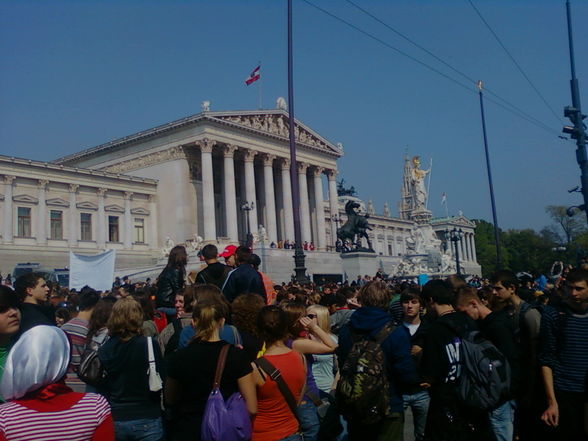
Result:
[{"x": 330, "y": 362}]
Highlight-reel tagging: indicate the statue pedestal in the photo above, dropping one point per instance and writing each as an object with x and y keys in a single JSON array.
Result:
[
  {"x": 359, "y": 263},
  {"x": 421, "y": 216}
]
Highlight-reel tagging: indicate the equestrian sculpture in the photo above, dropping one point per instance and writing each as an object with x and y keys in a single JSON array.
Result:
[{"x": 354, "y": 229}]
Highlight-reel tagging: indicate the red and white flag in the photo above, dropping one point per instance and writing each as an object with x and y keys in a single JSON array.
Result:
[{"x": 254, "y": 76}]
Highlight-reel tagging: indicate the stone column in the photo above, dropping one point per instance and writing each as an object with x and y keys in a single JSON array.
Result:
[
  {"x": 320, "y": 209},
  {"x": 102, "y": 224},
  {"x": 153, "y": 224},
  {"x": 208, "y": 190},
  {"x": 8, "y": 210},
  {"x": 469, "y": 244},
  {"x": 42, "y": 214},
  {"x": 287, "y": 201},
  {"x": 462, "y": 253},
  {"x": 304, "y": 203},
  {"x": 73, "y": 216},
  {"x": 270, "y": 198},
  {"x": 248, "y": 157},
  {"x": 474, "y": 257},
  {"x": 128, "y": 233},
  {"x": 230, "y": 193},
  {"x": 333, "y": 202}
]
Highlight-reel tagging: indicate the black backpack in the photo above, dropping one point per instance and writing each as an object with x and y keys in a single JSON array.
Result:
[
  {"x": 363, "y": 391},
  {"x": 485, "y": 379}
]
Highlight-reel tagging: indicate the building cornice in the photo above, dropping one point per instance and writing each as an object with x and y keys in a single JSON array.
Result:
[
  {"x": 42, "y": 167},
  {"x": 316, "y": 142}
]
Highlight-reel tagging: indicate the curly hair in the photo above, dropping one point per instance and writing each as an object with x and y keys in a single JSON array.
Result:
[{"x": 245, "y": 308}]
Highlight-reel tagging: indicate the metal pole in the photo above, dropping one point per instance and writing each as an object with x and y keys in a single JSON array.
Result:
[
  {"x": 494, "y": 217},
  {"x": 456, "y": 239},
  {"x": 575, "y": 114},
  {"x": 299, "y": 257}
]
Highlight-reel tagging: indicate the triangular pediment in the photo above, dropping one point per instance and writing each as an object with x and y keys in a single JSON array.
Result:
[
  {"x": 57, "y": 202},
  {"x": 87, "y": 206},
  {"x": 140, "y": 211},
  {"x": 25, "y": 199},
  {"x": 276, "y": 124},
  {"x": 114, "y": 208}
]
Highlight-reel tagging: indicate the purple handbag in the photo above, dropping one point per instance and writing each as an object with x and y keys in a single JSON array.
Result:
[{"x": 225, "y": 421}]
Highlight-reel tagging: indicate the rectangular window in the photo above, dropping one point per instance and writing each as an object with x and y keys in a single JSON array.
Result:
[
  {"x": 56, "y": 217},
  {"x": 113, "y": 228},
  {"x": 24, "y": 222},
  {"x": 86, "y": 226},
  {"x": 139, "y": 230}
]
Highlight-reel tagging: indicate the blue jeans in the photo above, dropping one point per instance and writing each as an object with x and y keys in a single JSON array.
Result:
[
  {"x": 293, "y": 437},
  {"x": 309, "y": 420},
  {"x": 419, "y": 405},
  {"x": 502, "y": 421},
  {"x": 139, "y": 430}
]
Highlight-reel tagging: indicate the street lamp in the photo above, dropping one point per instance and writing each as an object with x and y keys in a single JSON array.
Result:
[
  {"x": 455, "y": 236},
  {"x": 247, "y": 207}
]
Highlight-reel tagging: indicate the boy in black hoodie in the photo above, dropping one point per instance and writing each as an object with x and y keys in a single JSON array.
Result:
[
  {"x": 448, "y": 418},
  {"x": 497, "y": 328}
]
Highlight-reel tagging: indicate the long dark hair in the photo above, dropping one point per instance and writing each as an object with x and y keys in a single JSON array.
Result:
[{"x": 178, "y": 258}]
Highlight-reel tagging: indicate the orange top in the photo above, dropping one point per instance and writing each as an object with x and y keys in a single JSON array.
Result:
[
  {"x": 274, "y": 419},
  {"x": 268, "y": 285}
]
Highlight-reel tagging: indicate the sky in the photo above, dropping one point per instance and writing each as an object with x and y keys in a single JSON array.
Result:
[{"x": 76, "y": 74}]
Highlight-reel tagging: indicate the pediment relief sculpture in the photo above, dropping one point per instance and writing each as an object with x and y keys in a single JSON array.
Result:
[
  {"x": 277, "y": 125},
  {"x": 176, "y": 152}
]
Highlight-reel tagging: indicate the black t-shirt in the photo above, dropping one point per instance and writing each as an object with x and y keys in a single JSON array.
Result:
[{"x": 194, "y": 368}]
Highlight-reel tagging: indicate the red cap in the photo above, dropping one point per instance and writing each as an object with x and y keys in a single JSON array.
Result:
[{"x": 228, "y": 251}]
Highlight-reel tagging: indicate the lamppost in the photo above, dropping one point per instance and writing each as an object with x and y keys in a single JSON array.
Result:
[
  {"x": 247, "y": 207},
  {"x": 455, "y": 236}
]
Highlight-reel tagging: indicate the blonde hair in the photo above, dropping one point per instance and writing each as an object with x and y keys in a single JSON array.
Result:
[
  {"x": 323, "y": 317},
  {"x": 207, "y": 317},
  {"x": 126, "y": 319}
]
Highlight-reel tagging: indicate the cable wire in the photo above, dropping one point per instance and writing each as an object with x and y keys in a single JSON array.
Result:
[
  {"x": 557, "y": 116},
  {"x": 462, "y": 74},
  {"x": 512, "y": 109}
]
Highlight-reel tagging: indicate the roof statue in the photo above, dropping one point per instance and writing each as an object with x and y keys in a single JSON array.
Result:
[
  {"x": 281, "y": 103},
  {"x": 387, "y": 210},
  {"x": 205, "y": 106}
]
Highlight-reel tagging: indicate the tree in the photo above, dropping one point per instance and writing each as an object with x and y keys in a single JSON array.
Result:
[
  {"x": 567, "y": 228},
  {"x": 486, "y": 248}
]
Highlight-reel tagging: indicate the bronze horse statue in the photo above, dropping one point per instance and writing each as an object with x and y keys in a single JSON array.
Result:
[{"x": 355, "y": 228}]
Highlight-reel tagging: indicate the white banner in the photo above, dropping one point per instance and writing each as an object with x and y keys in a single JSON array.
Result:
[{"x": 95, "y": 271}]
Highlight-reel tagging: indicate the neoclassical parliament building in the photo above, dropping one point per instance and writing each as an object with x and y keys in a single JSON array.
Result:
[{"x": 188, "y": 181}]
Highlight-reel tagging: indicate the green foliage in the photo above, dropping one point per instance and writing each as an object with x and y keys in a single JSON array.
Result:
[{"x": 527, "y": 250}]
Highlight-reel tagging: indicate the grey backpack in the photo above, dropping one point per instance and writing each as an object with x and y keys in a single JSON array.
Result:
[{"x": 485, "y": 377}]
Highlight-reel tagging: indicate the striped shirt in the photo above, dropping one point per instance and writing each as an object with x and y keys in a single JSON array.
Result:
[
  {"x": 564, "y": 347},
  {"x": 75, "y": 423},
  {"x": 76, "y": 330}
]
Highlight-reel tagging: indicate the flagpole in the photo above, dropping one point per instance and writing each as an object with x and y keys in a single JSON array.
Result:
[
  {"x": 429, "y": 183},
  {"x": 259, "y": 87},
  {"x": 446, "y": 207}
]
